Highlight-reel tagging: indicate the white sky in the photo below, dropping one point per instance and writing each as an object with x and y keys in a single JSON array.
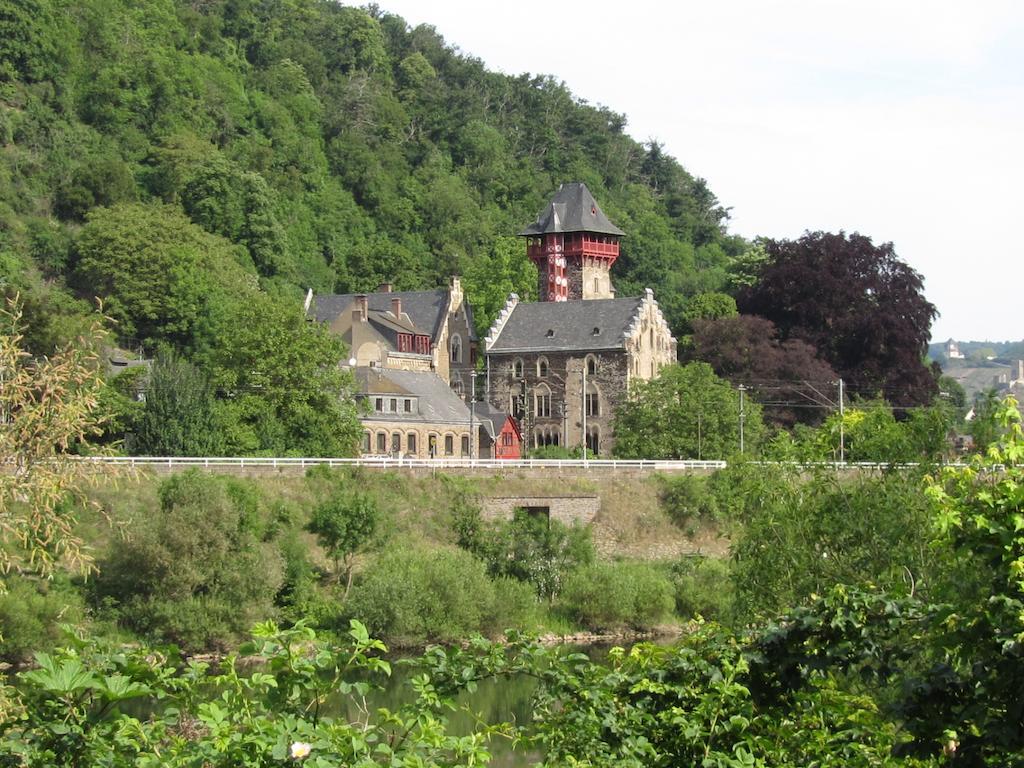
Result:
[{"x": 900, "y": 119}]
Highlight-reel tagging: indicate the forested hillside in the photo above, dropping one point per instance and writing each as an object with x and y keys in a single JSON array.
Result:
[{"x": 290, "y": 144}]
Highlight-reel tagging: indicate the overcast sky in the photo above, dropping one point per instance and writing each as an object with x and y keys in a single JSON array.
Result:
[{"x": 899, "y": 119}]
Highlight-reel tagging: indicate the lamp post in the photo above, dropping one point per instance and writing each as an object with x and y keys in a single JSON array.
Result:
[{"x": 472, "y": 410}]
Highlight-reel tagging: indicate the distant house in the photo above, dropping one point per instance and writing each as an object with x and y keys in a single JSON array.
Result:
[
  {"x": 953, "y": 351},
  {"x": 427, "y": 331},
  {"x": 411, "y": 414},
  {"x": 499, "y": 435}
]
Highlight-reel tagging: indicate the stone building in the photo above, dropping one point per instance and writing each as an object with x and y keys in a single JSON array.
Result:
[
  {"x": 412, "y": 414},
  {"x": 562, "y": 365},
  {"x": 427, "y": 331}
]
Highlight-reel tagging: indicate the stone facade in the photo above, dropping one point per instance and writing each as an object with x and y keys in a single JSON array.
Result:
[
  {"x": 568, "y": 397},
  {"x": 568, "y": 510}
]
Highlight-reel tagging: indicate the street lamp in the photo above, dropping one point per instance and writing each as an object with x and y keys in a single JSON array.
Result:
[{"x": 472, "y": 410}]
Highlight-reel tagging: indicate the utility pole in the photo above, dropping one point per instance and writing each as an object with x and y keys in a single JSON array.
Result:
[
  {"x": 743, "y": 414},
  {"x": 842, "y": 435}
]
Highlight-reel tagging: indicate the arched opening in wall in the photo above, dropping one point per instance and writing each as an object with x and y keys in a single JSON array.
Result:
[
  {"x": 449, "y": 445},
  {"x": 591, "y": 365},
  {"x": 382, "y": 442},
  {"x": 410, "y": 443},
  {"x": 517, "y": 368},
  {"x": 396, "y": 443},
  {"x": 542, "y": 402},
  {"x": 455, "y": 346},
  {"x": 542, "y": 368},
  {"x": 593, "y": 400},
  {"x": 594, "y": 440},
  {"x": 432, "y": 444},
  {"x": 465, "y": 445},
  {"x": 367, "y": 438}
]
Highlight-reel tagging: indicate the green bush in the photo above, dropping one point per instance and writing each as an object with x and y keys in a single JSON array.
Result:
[
  {"x": 613, "y": 596},
  {"x": 686, "y": 499},
  {"x": 31, "y": 614},
  {"x": 703, "y": 588},
  {"x": 530, "y": 548},
  {"x": 410, "y": 596},
  {"x": 198, "y": 573}
]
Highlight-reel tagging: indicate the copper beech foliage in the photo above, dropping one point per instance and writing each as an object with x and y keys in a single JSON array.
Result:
[{"x": 48, "y": 406}]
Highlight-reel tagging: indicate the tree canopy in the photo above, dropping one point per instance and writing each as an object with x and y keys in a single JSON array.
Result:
[
  {"x": 687, "y": 412},
  {"x": 857, "y": 304}
]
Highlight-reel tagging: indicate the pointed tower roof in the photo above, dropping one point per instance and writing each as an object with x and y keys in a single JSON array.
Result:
[{"x": 572, "y": 209}]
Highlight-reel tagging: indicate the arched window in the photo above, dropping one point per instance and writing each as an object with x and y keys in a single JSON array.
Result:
[
  {"x": 396, "y": 443},
  {"x": 542, "y": 402},
  {"x": 410, "y": 443},
  {"x": 591, "y": 365},
  {"x": 449, "y": 445},
  {"x": 542, "y": 368},
  {"x": 457, "y": 384},
  {"x": 456, "y": 348},
  {"x": 382, "y": 442},
  {"x": 465, "y": 445},
  {"x": 517, "y": 368},
  {"x": 593, "y": 400},
  {"x": 367, "y": 437}
]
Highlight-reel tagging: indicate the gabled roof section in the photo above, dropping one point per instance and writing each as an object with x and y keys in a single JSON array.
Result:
[
  {"x": 426, "y": 309},
  {"x": 572, "y": 209},
  {"x": 437, "y": 402},
  {"x": 493, "y": 420},
  {"x": 566, "y": 325}
]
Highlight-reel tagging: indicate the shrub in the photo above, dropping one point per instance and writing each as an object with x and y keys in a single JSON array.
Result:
[
  {"x": 612, "y": 596},
  {"x": 31, "y": 614},
  {"x": 686, "y": 498},
  {"x": 529, "y": 548},
  {"x": 199, "y": 573},
  {"x": 410, "y": 596},
  {"x": 703, "y": 588}
]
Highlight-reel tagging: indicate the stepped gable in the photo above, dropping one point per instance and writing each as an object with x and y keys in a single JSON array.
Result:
[
  {"x": 572, "y": 209},
  {"x": 565, "y": 326}
]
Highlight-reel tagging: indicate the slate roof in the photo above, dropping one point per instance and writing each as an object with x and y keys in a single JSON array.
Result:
[
  {"x": 558, "y": 326},
  {"x": 491, "y": 419},
  {"x": 426, "y": 309},
  {"x": 437, "y": 403},
  {"x": 572, "y": 209}
]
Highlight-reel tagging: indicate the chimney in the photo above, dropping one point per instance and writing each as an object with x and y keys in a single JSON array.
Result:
[
  {"x": 384, "y": 288},
  {"x": 396, "y": 308},
  {"x": 361, "y": 312}
]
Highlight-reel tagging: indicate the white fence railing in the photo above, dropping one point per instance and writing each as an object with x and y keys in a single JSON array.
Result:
[{"x": 389, "y": 462}]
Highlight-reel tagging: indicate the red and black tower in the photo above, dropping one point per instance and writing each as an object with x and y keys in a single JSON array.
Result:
[{"x": 574, "y": 246}]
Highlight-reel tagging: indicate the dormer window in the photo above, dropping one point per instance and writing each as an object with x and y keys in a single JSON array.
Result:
[
  {"x": 550, "y": 334},
  {"x": 596, "y": 331}
]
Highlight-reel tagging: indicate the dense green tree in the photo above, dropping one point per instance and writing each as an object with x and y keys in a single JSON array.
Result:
[
  {"x": 345, "y": 524},
  {"x": 687, "y": 412},
  {"x": 156, "y": 271},
  {"x": 179, "y": 417},
  {"x": 279, "y": 379},
  {"x": 857, "y": 304}
]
